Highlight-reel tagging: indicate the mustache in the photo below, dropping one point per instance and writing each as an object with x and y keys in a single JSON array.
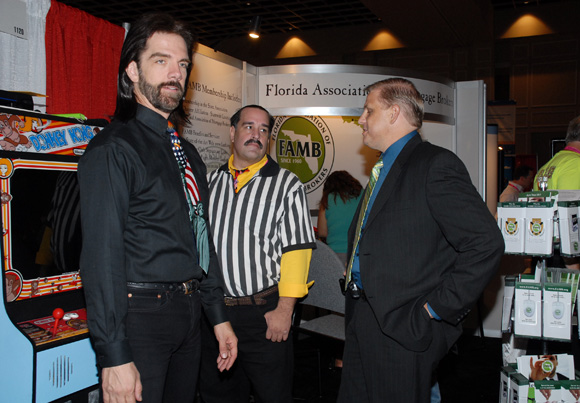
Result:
[
  {"x": 254, "y": 141},
  {"x": 171, "y": 84}
]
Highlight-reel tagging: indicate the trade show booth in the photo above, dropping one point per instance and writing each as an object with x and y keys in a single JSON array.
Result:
[{"x": 45, "y": 344}]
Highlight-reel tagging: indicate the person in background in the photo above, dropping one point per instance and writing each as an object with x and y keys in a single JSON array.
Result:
[
  {"x": 264, "y": 239},
  {"x": 147, "y": 262},
  {"x": 422, "y": 248},
  {"x": 522, "y": 182},
  {"x": 563, "y": 172},
  {"x": 341, "y": 195}
]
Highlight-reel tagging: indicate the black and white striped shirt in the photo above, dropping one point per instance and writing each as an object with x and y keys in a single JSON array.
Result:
[{"x": 251, "y": 229}]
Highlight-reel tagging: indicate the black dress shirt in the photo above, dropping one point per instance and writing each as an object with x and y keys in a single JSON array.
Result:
[{"x": 136, "y": 226}]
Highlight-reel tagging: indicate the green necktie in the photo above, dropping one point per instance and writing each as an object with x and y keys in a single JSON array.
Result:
[{"x": 363, "y": 210}]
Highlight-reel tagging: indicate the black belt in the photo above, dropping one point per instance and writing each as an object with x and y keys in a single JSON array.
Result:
[
  {"x": 187, "y": 287},
  {"x": 254, "y": 299}
]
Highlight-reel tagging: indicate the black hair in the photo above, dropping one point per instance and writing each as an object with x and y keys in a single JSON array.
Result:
[
  {"x": 521, "y": 170},
  {"x": 133, "y": 47},
  {"x": 235, "y": 119}
]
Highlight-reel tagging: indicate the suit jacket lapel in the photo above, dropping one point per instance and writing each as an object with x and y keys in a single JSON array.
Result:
[{"x": 387, "y": 189}]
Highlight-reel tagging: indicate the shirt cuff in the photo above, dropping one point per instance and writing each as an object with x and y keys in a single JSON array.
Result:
[
  {"x": 432, "y": 312},
  {"x": 293, "y": 290},
  {"x": 215, "y": 313},
  {"x": 294, "y": 267},
  {"x": 113, "y": 354}
]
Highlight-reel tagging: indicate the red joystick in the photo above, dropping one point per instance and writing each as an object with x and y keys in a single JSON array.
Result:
[{"x": 57, "y": 314}]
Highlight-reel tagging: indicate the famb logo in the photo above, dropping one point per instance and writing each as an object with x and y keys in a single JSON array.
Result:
[
  {"x": 511, "y": 226},
  {"x": 304, "y": 145}
]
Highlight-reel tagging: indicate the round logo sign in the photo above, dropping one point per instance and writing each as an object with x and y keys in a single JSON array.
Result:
[
  {"x": 304, "y": 146},
  {"x": 547, "y": 366}
]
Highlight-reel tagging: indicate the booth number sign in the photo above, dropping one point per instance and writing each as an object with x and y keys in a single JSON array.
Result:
[{"x": 13, "y": 18}]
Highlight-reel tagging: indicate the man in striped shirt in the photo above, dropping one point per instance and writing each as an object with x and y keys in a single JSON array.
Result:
[{"x": 263, "y": 236}]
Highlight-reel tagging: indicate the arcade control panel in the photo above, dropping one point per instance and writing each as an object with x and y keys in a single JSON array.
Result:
[{"x": 60, "y": 325}]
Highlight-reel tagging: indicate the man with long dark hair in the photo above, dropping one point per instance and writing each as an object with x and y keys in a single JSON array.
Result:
[{"x": 148, "y": 262}]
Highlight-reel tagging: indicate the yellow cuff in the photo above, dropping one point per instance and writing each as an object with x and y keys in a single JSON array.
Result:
[{"x": 294, "y": 267}]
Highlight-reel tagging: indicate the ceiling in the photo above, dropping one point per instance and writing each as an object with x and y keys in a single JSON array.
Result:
[{"x": 223, "y": 25}]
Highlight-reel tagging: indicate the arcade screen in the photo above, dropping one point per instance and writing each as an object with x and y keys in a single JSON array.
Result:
[{"x": 41, "y": 227}]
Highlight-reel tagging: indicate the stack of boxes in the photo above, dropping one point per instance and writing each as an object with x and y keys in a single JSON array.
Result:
[
  {"x": 538, "y": 221},
  {"x": 540, "y": 379},
  {"x": 541, "y": 305}
]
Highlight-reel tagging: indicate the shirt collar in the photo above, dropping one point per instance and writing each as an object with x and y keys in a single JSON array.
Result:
[
  {"x": 251, "y": 169},
  {"x": 394, "y": 149},
  {"x": 518, "y": 187},
  {"x": 151, "y": 119},
  {"x": 270, "y": 169}
]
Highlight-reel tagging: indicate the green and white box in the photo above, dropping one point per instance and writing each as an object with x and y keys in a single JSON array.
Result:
[
  {"x": 504, "y": 383},
  {"x": 519, "y": 386},
  {"x": 510, "y": 219},
  {"x": 508, "y": 304},
  {"x": 570, "y": 391},
  {"x": 528, "y": 309},
  {"x": 539, "y": 228},
  {"x": 568, "y": 221},
  {"x": 548, "y": 391},
  {"x": 557, "y": 311}
]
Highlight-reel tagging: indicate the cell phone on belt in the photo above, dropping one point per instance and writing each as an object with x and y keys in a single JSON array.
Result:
[{"x": 342, "y": 283}]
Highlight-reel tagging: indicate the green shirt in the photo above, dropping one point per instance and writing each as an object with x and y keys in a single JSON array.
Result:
[
  {"x": 339, "y": 215},
  {"x": 563, "y": 171}
]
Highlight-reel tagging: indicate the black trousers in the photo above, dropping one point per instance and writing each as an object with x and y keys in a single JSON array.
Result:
[
  {"x": 378, "y": 369},
  {"x": 165, "y": 338},
  {"x": 263, "y": 368}
]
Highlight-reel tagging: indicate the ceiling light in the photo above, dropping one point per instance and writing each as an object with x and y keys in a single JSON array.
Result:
[{"x": 254, "y": 31}]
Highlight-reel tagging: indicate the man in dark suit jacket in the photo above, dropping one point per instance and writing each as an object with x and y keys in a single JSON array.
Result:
[{"x": 427, "y": 249}]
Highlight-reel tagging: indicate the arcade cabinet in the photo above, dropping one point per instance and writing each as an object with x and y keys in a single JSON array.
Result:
[{"x": 44, "y": 340}]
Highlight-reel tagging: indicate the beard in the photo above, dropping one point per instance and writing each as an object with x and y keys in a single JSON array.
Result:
[{"x": 165, "y": 103}]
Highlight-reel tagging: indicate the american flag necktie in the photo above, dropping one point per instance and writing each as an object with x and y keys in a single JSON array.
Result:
[
  {"x": 193, "y": 199},
  {"x": 190, "y": 185}
]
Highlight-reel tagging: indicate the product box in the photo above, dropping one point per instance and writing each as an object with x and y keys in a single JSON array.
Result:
[
  {"x": 510, "y": 219},
  {"x": 519, "y": 386},
  {"x": 528, "y": 309},
  {"x": 557, "y": 311},
  {"x": 552, "y": 367},
  {"x": 539, "y": 228},
  {"x": 567, "y": 276},
  {"x": 570, "y": 391},
  {"x": 568, "y": 221},
  {"x": 547, "y": 392},
  {"x": 508, "y": 303},
  {"x": 504, "y": 384}
]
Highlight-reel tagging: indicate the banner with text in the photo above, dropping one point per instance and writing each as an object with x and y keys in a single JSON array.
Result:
[
  {"x": 214, "y": 94},
  {"x": 343, "y": 90}
]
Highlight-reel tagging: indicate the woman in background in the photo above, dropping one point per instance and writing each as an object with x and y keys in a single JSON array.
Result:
[{"x": 340, "y": 197}]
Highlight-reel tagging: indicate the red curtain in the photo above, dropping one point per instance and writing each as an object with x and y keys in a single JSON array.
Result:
[{"x": 82, "y": 59}]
